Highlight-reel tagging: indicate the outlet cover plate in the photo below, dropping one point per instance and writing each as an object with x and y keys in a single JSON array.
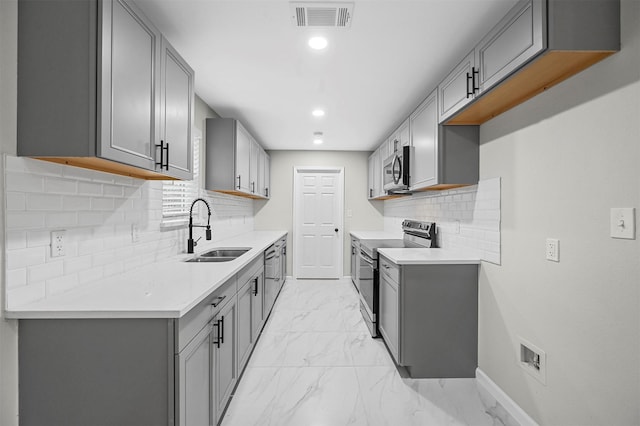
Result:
[
  {"x": 623, "y": 223},
  {"x": 553, "y": 249},
  {"x": 57, "y": 243}
]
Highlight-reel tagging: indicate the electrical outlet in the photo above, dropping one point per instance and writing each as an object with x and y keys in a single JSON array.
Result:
[
  {"x": 135, "y": 234},
  {"x": 533, "y": 360},
  {"x": 553, "y": 249},
  {"x": 57, "y": 243}
]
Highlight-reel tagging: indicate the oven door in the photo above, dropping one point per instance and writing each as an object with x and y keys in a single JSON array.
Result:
[{"x": 368, "y": 292}]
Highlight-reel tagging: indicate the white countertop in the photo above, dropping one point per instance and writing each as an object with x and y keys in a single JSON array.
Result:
[
  {"x": 166, "y": 289},
  {"x": 429, "y": 256},
  {"x": 377, "y": 235}
]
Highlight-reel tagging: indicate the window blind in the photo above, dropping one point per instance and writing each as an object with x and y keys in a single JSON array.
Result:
[{"x": 178, "y": 195}]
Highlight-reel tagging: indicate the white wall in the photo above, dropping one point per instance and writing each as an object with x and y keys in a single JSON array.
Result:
[
  {"x": 8, "y": 91},
  {"x": 566, "y": 157},
  {"x": 277, "y": 213}
]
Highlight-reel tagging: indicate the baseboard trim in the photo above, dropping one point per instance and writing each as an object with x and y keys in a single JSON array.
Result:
[{"x": 509, "y": 404}]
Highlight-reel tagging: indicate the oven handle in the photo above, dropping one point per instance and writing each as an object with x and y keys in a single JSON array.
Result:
[{"x": 366, "y": 258}]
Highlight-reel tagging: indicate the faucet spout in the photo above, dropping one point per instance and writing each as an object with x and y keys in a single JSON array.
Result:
[{"x": 190, "y": 243}]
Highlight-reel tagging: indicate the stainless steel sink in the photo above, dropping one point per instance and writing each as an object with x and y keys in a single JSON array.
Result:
[{"x": 224, "y": 254}]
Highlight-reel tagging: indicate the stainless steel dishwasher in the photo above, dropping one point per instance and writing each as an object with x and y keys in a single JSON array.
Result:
[{"x": 272, "y": 272}]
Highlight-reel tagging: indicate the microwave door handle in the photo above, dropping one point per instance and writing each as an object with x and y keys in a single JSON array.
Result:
[{"x": 396, "y": 179}]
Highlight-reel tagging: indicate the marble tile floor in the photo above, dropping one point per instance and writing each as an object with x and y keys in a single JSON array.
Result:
[{"x": 316, "y": 365}]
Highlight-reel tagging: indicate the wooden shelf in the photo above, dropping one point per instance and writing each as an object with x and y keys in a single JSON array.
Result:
[{"x": 108, "y": 166}]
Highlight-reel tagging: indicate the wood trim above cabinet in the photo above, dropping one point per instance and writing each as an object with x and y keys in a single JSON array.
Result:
[
  {"x": 108, "y": 166},
  {"x": 549, "y": 69}
]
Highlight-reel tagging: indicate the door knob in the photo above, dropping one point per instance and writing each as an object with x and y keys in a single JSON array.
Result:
[{"x": 336, "y": 229}]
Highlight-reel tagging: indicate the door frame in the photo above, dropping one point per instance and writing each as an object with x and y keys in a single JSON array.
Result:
[{"x": 319, "y": 169}]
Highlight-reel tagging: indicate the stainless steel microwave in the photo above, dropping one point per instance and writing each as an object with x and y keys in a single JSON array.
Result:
[{"x": 395, "y": 171}]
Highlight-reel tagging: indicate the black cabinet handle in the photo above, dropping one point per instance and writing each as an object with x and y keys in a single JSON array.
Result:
[
  {"x": 370, "y": 193},
  {"x": 163, "y": 163},
  {"x": 238, "y": 181},
  {"x": 219, "y": 300},
  {"x": 266, "y": 192},
  {"x": 253, "y": 187},
  {"x": 217, "y": 326},
  {"x": 221, "y": 320},
  {"x": 255, "y": 286},
  {"x": 475, "y": 86}
]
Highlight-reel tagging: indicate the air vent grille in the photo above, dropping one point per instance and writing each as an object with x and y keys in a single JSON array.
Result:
[{"x": 327, "y": 15}]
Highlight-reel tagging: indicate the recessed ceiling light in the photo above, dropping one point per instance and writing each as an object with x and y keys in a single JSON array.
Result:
[
  {"x": 318, "y": 43},
  {"x": 318, "y": 112},
  {"x": 317, "y": 138}
]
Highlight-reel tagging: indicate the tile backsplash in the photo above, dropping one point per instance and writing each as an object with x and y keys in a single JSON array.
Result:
[
  {"x": 97, "y": 211},
  {"x": 467, "y": 218}
]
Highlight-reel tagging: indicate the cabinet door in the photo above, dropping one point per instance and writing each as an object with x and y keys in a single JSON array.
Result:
[
  {"x": 261, "y": 187},
  {"x": 389, "y": 320},
  {"x": 176, "y": 115},
  {"x": 512, "y": 42},
  {"x": 225, "y": 354},
  {"x": 257, "y": 306},
  {"x": 254, "y": 155},
  {"x": 404, "y": 133},
  {"x": 456, "y": 90},
  {"x": 195, "y": 381},
  {"x": 424, "y": 137},
  {"x": 370, "y": 176},
  {"x": 266, "y": 175},
  {"x": 242, "y": 153},
  {"x": 130, "y": 91},
  {"x": 245, "y": 338},
  {"x": 377, "y": 175}
]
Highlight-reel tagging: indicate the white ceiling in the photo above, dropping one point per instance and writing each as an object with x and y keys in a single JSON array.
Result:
[{"x": 253, "y": 64}]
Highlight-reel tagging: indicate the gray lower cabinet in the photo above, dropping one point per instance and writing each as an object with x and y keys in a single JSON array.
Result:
[
  {"x": 225, "y": 362},
  {"x": 429, "y": 318},
  {"x": 115, "y": 103},
  {"x": 142, "y": 371},
  {"x": 195, "y": 381}
]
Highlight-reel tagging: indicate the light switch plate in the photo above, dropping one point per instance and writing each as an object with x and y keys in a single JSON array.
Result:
[{"x": 623, "y": 223}]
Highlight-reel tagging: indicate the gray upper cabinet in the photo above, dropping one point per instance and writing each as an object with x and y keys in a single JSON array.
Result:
[
  {"x": 130, "y": 85},
  {"x": 264, "y": 174},
  {"x": 102, "y": 107},
  {"x": 516, "y": 39},
  {"x": 176, "y": 114},
  {"x": 456, "y": 90},
  {"x": 424, "y": 137},
  {"x": 233, "y": 160},
  {"x": 536, "y": 45}
]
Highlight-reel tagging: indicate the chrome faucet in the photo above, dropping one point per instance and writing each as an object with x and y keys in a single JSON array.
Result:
[{"x": 190, "y": 243}]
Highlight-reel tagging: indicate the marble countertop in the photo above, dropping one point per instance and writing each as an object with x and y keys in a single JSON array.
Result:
[
  {"x": 429, "y": 256},
  {"x": 377, "y": 235},
  {"x": 166, "y": 289}
]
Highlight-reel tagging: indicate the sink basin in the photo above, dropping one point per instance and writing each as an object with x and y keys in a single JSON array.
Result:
[
  {"x": 225, "y": 254},
  {"x": 210, "y": 259}
]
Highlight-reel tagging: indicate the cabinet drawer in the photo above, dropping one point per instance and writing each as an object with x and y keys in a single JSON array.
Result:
[
  {"x": 390, "y": 269},
  {"x": 250, "y": 271},
  {"x": 198, "y": 317}
]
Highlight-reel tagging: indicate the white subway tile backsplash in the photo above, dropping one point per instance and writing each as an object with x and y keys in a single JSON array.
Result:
[
  {"x": 89, "y": 188},
  {"x": 97, "y": 211},
  {"x": 25, "y": 220},
  {"x": 16, "y": 202},
  {"x": 473, "y": 210},
  {"x": 44, "y": 202},
  {"x": 61, "y": 219},
  {"x": 60, "y": 186},
  {"x": 45, "y": 272},
  {"x": 25, "y": 257}
]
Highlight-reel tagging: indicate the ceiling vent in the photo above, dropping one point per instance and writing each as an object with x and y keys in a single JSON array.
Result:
[{"x": 322, "y": 15}]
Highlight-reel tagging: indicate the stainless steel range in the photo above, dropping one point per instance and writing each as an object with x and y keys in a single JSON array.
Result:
[{"x": 416, "y": 234}]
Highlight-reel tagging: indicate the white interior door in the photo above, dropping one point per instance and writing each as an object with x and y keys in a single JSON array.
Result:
[{"x": 318, "y": 222}]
